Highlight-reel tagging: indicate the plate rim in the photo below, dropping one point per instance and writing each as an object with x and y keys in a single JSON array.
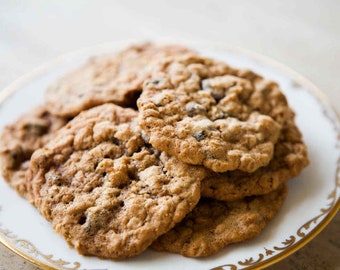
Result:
[{"x": 334, "y": 206}]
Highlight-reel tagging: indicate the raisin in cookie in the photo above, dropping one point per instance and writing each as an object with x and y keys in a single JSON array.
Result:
[
  {"x": 213, "y": 225},
  {"x": 113, "y": 78},
  {"x": 105, "y": 190},
  {"x": 19, "y": 140},
  {"x": 199, "y": 110},
  {"x": 290, "y": 157}
]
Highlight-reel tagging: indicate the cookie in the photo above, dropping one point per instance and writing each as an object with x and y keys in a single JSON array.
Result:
[
  {"x": 19, "y": 140},
  {"x": 105, "y": 190},
  {"x": 199, "y": 111},
  {"x": 115, "y": 78},
  {"x": 290, "y": 157},
  {"x": 213, "y": 225}
]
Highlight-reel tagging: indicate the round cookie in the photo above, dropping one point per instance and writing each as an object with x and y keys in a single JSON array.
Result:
[
  {"x": 20, "y": 139},
  {"x": 213, "y": 225},
  {"x": 290, "y": 154},
  {"x": 199, "y": 110},
  {"x": 290, "y": 157},
  {"x": 105, "y": 190},
  {"x": 113, "y": 78}
]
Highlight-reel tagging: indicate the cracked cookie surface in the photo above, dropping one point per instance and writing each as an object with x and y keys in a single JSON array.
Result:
[
  {"x": 204, "y": 113},
  {"x": 290, "y": 156},
  {"x": 105, "y": 190},
  {"x": 213, "y": 225},
  {"x": 20, "y": 139},
  {"x": 115, "y": 78}
]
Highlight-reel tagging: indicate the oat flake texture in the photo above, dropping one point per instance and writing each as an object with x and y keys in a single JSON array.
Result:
[
  {"x": 213, "y": 225},
  {"x": 204, "y": 112},
  {"x": 105, "y": 190},
  {"x": 115, "y": 78},
  {"x": 290, "y": 154},
  {"x": 20, "y": 139}
]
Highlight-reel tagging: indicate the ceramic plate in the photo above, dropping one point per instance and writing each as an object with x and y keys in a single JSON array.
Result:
[{"x": 312, "y": 201}]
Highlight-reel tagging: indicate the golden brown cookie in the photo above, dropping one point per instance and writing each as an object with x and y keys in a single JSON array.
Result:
[
  {"x": 213, "y": 225},
  {"x": 200, "y": 111},
  {"x": 116, "y": 78},
  {"x": 290, "y": 157},
  {"x": 105, "y": 190},
  {"x": 19, "y": 140}
]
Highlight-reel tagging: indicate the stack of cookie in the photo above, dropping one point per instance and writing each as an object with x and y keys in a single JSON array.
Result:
[{"x": 155, "y": 146}]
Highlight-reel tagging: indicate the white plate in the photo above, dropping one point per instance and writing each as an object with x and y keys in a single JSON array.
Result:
[{"x": 312, "y": 201}]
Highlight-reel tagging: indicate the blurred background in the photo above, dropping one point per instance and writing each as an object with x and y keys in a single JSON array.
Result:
[{"x": 304, "y": 35}]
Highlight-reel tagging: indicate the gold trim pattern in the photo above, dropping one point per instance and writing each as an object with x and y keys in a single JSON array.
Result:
[
  {"x": 31, "y": 249},
  {"x": 288, "y": 243},
  {"x": 270, "y": 255},
  {"x": 292, "y": 243}
]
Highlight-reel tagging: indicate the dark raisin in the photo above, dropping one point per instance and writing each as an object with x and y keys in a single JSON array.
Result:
[
  {"x": 82, "y": 219},
  {"x": 115, "y": 141},
  {"x": 153, "y": 82},
  {"x": 194, "y": 109},
  {"x": 200, "y": 135},
  {"x": 37, "y": 129},
  {"x": 131, "y": 174},
  {"x": 217, "y": 95}
]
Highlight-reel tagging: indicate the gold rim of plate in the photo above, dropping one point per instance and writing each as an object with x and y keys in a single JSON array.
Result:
[{"x": 290, "y": 245}]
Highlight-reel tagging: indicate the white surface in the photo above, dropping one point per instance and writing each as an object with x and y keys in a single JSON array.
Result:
[
  {"x": 319, "y": 135},
  {"x": 304, "y": 35}
]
